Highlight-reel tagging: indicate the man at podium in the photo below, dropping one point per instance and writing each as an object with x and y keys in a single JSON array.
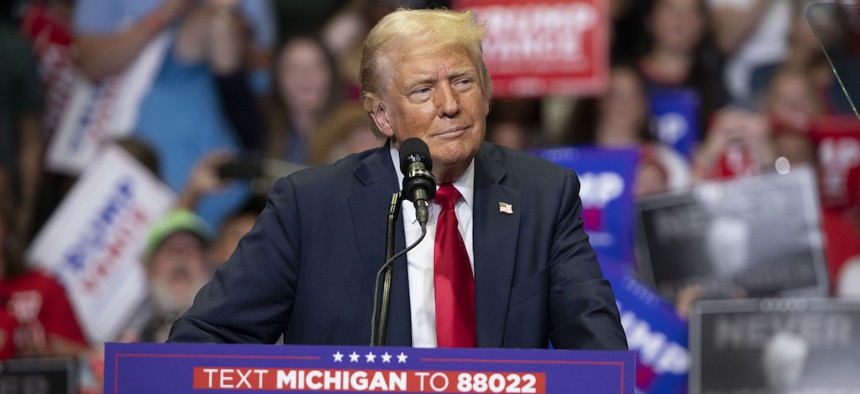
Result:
[{"x": 504, "y": 263}]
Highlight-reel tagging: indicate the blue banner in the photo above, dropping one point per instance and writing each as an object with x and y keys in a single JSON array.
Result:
[
  {"x": 607, "y": 183},
  {"x": 675, "y": 113},
  {"x": 190, "y": 368},
  {"x": 655, "y": 332}
]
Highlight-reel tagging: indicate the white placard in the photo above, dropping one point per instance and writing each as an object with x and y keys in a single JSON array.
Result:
[
  {"x": 92, "y": 243},
  {"x": 96, "y": 112}
]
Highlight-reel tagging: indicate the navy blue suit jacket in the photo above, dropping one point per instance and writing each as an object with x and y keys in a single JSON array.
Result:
[{"x": 308, "y": 267}]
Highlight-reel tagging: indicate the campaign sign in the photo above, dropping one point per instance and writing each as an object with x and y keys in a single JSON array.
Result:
[
  {"x": 655, "y": 332},
  {"x": 92, "y": 243},
  {"x": 190, "y": 368},
  {"x": 675, "y": 115},
  {"x": 39, "y": 375},
  {"x": 537, "y": 48},
  {"x": 97, "y": 112},
  {"x": 789, "y": 345},
  {"x": 756, "y": 237},
  {"x": 51, "y": 37},
  {"x": 838, "y": 145},
  {"x": 606, "y": 179}
]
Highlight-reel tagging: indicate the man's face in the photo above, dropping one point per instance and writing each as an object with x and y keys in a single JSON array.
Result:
[
  {"x": 177, "y": 270},
  {"x": 435, "y": 96}
]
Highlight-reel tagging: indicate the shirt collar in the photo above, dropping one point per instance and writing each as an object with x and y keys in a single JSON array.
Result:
[{"x": 465, "y": 184}]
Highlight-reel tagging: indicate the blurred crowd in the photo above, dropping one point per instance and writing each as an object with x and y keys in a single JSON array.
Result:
[{"x": 245, "y": 82}]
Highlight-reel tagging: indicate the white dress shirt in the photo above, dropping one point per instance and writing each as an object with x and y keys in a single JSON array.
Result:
[{"x": 420, "y": 259}]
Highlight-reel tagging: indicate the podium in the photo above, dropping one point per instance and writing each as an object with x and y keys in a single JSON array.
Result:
[{"x": 202, "y": 368}]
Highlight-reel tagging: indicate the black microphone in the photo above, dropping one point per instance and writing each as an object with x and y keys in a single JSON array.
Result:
[{"x": 419, "y": 184}]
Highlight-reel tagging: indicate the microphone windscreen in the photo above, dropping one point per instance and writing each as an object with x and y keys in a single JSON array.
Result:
[{"x": 412, "y": 150}]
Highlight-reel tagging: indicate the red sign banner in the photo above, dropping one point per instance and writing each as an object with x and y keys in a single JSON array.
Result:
[
  {"x": 367, "y": 380},
  {"x": 837, "y": 140},
  {"x": 544, "y": 48}
]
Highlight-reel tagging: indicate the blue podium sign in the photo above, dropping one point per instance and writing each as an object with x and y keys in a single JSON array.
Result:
[{"x": 192, "y": 368}]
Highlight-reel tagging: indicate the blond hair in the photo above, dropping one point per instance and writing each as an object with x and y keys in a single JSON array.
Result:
[{"x": 404, "y": 27}]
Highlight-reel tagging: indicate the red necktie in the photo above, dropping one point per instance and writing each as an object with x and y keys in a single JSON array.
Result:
[{"x": 453, "y": 280}]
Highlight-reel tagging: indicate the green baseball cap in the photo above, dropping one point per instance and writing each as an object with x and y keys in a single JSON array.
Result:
[{"x": 176, "y": 221}]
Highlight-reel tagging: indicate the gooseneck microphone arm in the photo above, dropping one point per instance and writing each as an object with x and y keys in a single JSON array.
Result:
[
  {"x": 379, "y": 319},
  {"x": 379, "y": 323}
]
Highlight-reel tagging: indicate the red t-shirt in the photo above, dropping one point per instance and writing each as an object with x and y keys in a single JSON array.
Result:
[
  {"x": 736, "y": 161},
  {"x": 35, "y": 305}
]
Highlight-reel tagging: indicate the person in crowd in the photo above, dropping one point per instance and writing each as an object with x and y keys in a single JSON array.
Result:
[
  {"x": 738, "y": 143},
  {"x": 841, "y": 228},
  {"x": 806, "y": 56},
  {"x": 307, "y": 91},
  {"x": 620, "y": 119},
  {"x": 232, "y": 229},
  {"x": 36, "y": 318},
  {"x": 750, "y": 34},
  {"x": 176, "y": 267},
  {"x": 677, "y": 53},
  {"x": 627, "y": 21},
  {"x": 345, "y": 132},
  {"x": 294, "y": 18},
  {"x": 514, "y": 123},
  {"x": 520, "y": 274},
  {"x": 180, "y": 116},
  {"x": 791, "y": 101},
  {"x": 617, "y": 118},
  {"x": 47, "y": 26},
  {"x": 205, "y": 179},
  {"x": 807, "y": 59},
  {"x": 142, "y": 152},
  {"x": 510, "y": 134},
  {"x": 743, "y": 143},
  {"x": 792, "y": 104},
  {"x": 21, "y": 103},
  {"x": 242, "y": 84},
  {"x": 344, "y": 34}
]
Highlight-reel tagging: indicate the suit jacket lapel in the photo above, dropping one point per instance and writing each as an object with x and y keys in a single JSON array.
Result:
[
  {"x": 495, "y": 237},
  {"x": 369, "y": 208}
]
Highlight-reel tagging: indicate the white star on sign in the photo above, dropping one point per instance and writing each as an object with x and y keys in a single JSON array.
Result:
[
  {"x": 386, "y": 358},
  {"x": 353, "y": 357},
  {"x": 401, "y": 358},
  {"x": 371, "y": 358},
  {"x": 338, "y": 357}
]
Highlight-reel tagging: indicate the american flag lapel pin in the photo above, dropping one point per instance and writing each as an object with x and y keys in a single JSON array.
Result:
[{"x": 506, "y": 208}]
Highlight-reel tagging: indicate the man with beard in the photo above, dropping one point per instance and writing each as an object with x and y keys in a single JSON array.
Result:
[{"x": 176, "y": 268}]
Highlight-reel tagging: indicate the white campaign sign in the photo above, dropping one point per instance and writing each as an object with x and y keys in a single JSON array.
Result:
[
  {"x": 93, "y": 241},
  {"x": 97, "y": 112}
]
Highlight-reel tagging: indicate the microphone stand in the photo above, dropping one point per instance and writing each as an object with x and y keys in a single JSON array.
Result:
[
  {"x": 379, "y": 318},
  {"x": 379, "y": 327}
]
